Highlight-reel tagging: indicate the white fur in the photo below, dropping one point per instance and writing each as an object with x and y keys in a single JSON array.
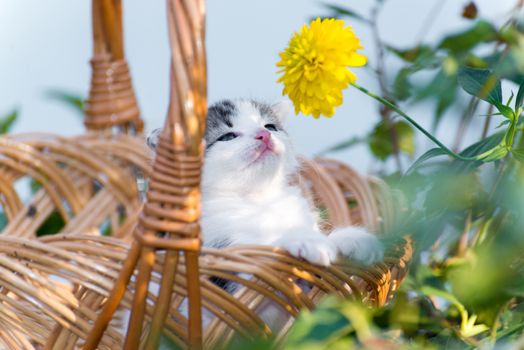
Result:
[{"x": 247, "y": 201}]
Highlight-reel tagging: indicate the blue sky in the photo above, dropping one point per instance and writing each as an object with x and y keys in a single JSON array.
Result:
[{"x": 47, "y": 45}]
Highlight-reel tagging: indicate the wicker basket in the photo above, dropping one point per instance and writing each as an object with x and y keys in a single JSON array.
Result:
[{"x": 62, "y": 291}]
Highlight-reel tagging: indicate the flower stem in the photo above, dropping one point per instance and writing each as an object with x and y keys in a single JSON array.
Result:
[{"x": 412, "y": 122}]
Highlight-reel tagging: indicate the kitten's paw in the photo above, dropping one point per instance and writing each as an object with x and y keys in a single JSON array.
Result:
[
  {"x": 358, "y": 244},
  {"x": 317, "y": 250}
]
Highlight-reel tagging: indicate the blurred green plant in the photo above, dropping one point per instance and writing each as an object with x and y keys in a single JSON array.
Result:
[
  {"x": 437, "y": 71},
  {"x": 7, "y": 121},
  {"x": 6, "y": 124},
  {"x": 466, "y": 284},
  {"x": 465, "y": 213},
  {"x": 74, "y": 101},
  {"x": 55, "y": 222}
]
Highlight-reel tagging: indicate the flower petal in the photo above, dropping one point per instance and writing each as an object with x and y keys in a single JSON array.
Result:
[{"x": 314, "y": 68}]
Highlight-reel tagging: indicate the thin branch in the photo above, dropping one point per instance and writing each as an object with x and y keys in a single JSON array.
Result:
[
  {"x": 463, "y": 243},
  {"x": 487, "y": 122},
  {"x": 417, "y": 126},
  {"x": 430, "y": 20},
  {"x": 385, "y": 113},
  {"x": 465, "y": 121}
]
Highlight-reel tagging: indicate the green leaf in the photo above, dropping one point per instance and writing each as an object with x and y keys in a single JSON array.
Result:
[
  {"x": 510, "y": 98},
  {"x": 481, "y": 31},
  {"x": 483, "y": 145},
  {"x": 340, "y": 11},
  {"x": 507, "y": 65},
  {"x": 71, "y": 100},
  {"x": 166, "y": 343},
  {"x": 431, "y": 291},
  {"x": 432, "y": 153},
  {"x": 406, "y": 136},
  {"x": 53, "y": 224},
  {"x": 7, "y": 122},
  {"x": 380, "y": 142},
  {"x": 344, "y": 145},
  {"x": 510, "y": 331},
  {"x": 505, "y": 111},
  {"x": 324, "y": 325},
  {"x": 518, "y": 154},
  {"x": 467, "y": 326},
  {"x": 504, "y": 122},
  {"x": 520, "y": 96},
  {"x": 496, "y": 153},
  {"x": 481, "y": 83},
  {"x": 511, "y": 34},
  {"x": 510, "y": 133},
  {"x": 415, "y": 54},
  {"x": 254, "y": 342},
  {"x": 443, "y": 87},
  {"x": 478, "y": 148},
  {"x": 34, "y": 186},
  {"x": 3, "y": 220},
  {"x": 402, "y": 86},
  {"x": 445, "y": 100}
]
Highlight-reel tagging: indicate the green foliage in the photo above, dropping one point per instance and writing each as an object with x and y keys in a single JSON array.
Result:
[
  {"x": 480, "y": 32},
  {"x": 312, "y": 332},
  {"x": 465, "y": 215},
  {"x": 166, "y": 343},
  {"x": 417, "y": 54},
  {"x": 443, "y": 88},
  {"x": 465, "y": 291},
  {"x": 432, "y": 153},
  {"x": 438, "y": 71},
  {"x": 518, "y": 154},
  {"x": 465, "y": 287},
  {"x": 381, "y": 145},
  {"x": 3, "y": 220},
  {"x": 34, "y": 186},
  {"x": 341, "y": 12},
  {"x": 481, "y": 83},
  {"x": 53, "y": 224},
  {"x": 7, "y": 122},
  {"x": 345, "y": 144},
  {"x": 402, "y": 86},
  {"x": 74, "y": 101},
  {"x": 379, "y": 141},
  {"x": 520, "y": 97}
]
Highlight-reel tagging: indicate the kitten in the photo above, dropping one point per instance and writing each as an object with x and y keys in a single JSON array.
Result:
[{"x": 247, "y": 197}]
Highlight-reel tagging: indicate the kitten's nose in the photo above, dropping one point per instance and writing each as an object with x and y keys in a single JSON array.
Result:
[{"x": 263, "y": 135}]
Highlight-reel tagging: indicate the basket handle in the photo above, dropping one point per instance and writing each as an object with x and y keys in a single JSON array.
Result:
[
  {"x": 112, "y": 103},
  {"x": 107, "y": 28},
  {"x": 169, "y": 220},
  {"x": 170, "y": 216}
]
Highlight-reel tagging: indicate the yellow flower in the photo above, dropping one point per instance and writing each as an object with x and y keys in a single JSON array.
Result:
[{"x": 315, "y": 66}]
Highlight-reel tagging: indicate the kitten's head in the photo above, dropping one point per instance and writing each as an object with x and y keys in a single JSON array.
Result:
[{"x": 247, "y": 147}]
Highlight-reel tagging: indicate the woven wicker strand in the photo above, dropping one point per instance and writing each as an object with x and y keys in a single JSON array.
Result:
[
  {"x": 373, "y": 284},
  {"x": 62, "y": 291},
  {"x": 85, "y": 180},
  {"x": 173, "y": 197},
  {"x": 92, "y": 263},
  {"x": 111, "y": 103}
]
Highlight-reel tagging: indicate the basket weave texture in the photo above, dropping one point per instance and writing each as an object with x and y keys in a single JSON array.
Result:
[{"x": 69, "y": 290}]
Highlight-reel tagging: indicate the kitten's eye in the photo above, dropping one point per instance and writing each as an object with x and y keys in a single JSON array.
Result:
[
  {"x": 227, "y": 137},
  {"x": 271, "y": 127}
]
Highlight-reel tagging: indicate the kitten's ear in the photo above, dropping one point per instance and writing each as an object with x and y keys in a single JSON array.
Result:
[
  {"x": 153, "y": 138},
  {"x": 282, "y": 109}
]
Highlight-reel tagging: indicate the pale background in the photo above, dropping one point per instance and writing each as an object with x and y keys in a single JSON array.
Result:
[{"x": 47, "y": 44}]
